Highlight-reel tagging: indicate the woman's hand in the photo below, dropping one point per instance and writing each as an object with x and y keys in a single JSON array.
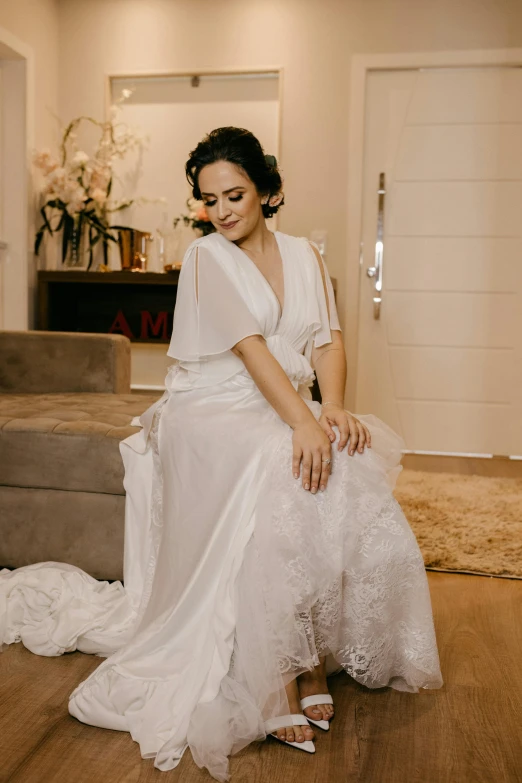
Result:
[
  {"x": 349, "y": 427},
  {"x": 311, "y": 447}
]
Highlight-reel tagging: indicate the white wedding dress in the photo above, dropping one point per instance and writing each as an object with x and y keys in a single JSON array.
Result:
[{"x": 235, "y": 578}]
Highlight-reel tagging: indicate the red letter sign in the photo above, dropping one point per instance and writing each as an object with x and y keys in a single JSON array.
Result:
[
  {"x": 120, "y": 325},
  {"x": 146, "y": 322}
]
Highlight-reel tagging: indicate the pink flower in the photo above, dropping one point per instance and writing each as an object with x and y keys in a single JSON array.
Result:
[{"x": 202, "y": 214}]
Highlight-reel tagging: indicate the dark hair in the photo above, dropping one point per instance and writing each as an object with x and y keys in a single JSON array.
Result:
[{"x": 242, "y": 148}]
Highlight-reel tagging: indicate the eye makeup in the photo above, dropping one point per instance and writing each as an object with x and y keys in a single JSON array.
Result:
[{"x": 231, "y": 198}]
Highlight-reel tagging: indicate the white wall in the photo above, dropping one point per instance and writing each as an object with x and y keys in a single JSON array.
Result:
[
  {"x": 83, "y": 40},
  {"x": 35, "y": 22},
  {"x": 172, "y": 114},
  {"x": 34, "y": 25},
  {"x": 312, "y": 39}
]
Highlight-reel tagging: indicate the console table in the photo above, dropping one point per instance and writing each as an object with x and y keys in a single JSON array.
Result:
[{"x": 139, "y": 305}]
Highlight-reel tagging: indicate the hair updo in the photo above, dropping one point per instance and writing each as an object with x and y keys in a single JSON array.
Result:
[{"x": 242, "y": 148}]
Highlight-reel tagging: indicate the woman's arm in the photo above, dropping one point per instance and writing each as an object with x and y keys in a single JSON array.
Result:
[
  {"x": 311, "y": 445},
  {"x": 272, "y": 380},
  {"x": 329, "y": 363},
  {"x": 331, "y": 374}
]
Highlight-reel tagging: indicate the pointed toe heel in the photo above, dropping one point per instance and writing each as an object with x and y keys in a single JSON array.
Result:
[
  {"x": 322, "y": 724},
  {"x": 290, "y": 720},
  {"x": 311, "y": 701}
]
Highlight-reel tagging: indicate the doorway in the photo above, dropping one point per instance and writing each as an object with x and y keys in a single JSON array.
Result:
[
  {"x": 16, "y": 62},
  {"x": 439, "y": 338}
]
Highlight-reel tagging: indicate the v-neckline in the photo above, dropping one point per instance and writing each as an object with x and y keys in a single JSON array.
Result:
[{"x": 285, "y": 289}]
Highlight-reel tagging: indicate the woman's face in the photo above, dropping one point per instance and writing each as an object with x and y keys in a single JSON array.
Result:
[{"x": 231, "y": 199}]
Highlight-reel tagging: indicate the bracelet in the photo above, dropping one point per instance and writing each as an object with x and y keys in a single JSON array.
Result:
[{"x": 330, "y": 402}]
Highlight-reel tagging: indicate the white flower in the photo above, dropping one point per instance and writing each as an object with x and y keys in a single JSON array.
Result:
[
  {"x": 76, "y": 201},
  {"x": 45, "y": 161},
  {"x": 100, "y": 177},
  {"x": 99, "y": 195},
  {"x": 83, "y": 176},
  {"x": 57, "y": 176},
  {"x": 117, "y": 204},
  {"x": 80, "y": 158}
]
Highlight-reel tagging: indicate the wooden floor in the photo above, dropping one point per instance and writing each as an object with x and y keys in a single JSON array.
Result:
[{"x": 469, "y": 731}]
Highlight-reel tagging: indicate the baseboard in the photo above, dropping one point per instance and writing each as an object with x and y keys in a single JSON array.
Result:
[
  {"x": 498, "y": 467},
  {"x": 471, "y": 573}
]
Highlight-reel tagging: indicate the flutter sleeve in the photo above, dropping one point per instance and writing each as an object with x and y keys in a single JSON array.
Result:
[
  {"x": 210, "y": 315},
  {"x": 325, "y": 300}
]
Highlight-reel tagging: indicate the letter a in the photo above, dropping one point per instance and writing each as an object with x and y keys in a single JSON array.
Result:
[{"x": 120, "y": 324}]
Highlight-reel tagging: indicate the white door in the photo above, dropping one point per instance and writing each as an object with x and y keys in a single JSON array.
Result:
[{"x": 442, "y": 360}]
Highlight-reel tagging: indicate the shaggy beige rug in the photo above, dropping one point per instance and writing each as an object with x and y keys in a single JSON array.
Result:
[{"x": 465, "y": 523}]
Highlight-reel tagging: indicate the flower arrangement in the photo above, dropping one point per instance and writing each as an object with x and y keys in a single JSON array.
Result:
[
  {"x": 197, "y": 218},
  {"x": 77, "y": 186}
]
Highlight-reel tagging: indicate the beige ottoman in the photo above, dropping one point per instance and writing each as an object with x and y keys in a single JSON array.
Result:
[{"x": 61, "y": 473}]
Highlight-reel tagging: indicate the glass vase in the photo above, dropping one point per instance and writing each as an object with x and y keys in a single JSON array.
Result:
[{"x": 77, "y": 255}]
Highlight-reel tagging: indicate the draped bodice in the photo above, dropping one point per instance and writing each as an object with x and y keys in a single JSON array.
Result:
[
  {"x": 185, "y": 375},
  {"x": 288, "y": 334},
  {"x": 224, "y": 297},
  {"x": 294, "y": 363}
]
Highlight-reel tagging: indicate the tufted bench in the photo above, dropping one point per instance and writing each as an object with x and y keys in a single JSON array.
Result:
[{"x": 65, "y": 405}]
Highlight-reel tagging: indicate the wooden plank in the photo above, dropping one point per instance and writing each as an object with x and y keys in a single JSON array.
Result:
[
  {"x": 471, "y": 466},
  {"x": 33, "y": 700},
  {"x": 118, "y": 277},
  {"x": 467, "y": 731}
]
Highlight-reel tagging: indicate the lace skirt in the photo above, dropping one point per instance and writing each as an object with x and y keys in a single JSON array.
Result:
[
  {"x": 336, "y": 574},
  {"x": 236, "y": 580}
]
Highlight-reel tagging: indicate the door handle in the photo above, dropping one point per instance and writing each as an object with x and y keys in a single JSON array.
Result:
[{"x": 376, "y": 270}]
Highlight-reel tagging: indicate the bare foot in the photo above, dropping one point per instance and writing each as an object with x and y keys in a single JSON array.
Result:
[
  {"x": 294, "y": 733},
  {"x": 311, "y": 684}
]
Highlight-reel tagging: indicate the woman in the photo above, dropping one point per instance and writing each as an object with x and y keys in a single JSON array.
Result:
[{"x": 264, "y": 549}]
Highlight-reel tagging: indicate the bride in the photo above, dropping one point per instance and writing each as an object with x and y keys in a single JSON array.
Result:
[{"x": 264, "y": 549}]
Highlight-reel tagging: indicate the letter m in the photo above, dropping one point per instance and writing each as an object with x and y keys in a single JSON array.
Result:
[{"x": 159, "y": 326}]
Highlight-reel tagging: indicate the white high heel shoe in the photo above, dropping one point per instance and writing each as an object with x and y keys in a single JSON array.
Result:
[
  {"x": 273, "y": 724},
  {"x": 310, "y": 701}
]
